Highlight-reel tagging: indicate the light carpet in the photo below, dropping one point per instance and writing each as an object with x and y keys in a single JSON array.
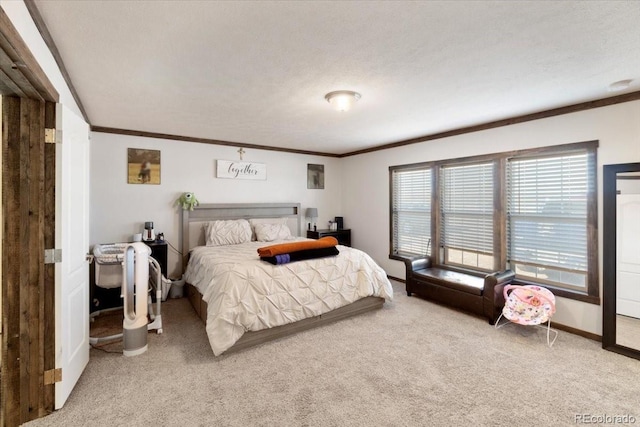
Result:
[{"x": 412, "y": 363}]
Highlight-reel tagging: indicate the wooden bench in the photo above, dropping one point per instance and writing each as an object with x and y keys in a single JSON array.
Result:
[{"x": 475, "y": 294}]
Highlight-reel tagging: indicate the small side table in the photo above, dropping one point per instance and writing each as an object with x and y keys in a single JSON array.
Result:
[
  {"x": 343, "y": 236},
  {"x": 159, "y": 253}
]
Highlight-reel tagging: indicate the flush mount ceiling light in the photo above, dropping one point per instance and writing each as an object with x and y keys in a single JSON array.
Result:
[
  {"x": 620, "y": 85},
  {"x": 342, "y": 100}
]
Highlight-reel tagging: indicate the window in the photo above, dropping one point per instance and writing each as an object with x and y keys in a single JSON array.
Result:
[
  {"x": 467, "y": 215},
  {"x": 411, "y": 212},
  {"x": 532, "y": 211},
  {"x": 547, "y": 205}
]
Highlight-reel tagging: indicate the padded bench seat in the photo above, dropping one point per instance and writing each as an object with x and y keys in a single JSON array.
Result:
[
  {"x": 452, "y": 279},
  {"x": 475, "y": 294}
]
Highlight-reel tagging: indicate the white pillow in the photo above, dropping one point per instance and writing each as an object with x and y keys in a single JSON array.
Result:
[
  {"x": 269, "y": 232},
  {"x": 256, "y": 221},
  {"x": 228, "y": 232}
]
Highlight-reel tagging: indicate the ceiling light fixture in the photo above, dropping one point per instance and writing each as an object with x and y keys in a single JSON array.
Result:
[
  {"x": 342, "y": 100},
  {"x": 620, "y": 85}
]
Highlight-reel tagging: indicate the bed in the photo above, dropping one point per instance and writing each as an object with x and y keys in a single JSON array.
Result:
[{"x": 245, "y": 301}]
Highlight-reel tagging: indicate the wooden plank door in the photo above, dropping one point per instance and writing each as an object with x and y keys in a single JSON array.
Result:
[
  {"x": 25, "y": 395},
  {"x": 28, "y": 220}
]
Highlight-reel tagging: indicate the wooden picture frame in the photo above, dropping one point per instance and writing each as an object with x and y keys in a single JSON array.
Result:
[{"x": 143, "y": 166}]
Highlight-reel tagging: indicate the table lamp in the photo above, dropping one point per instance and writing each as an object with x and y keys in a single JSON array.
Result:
[{"x": 312, "y": 214}]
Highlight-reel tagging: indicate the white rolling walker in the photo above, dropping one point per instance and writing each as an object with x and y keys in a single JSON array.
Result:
[{"x": 126, "y": 265}]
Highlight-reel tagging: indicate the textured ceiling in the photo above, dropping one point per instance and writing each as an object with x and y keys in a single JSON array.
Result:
[{"x": 257, "y": 72}]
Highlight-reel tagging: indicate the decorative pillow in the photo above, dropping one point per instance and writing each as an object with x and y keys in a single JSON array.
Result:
[
  {"x": 269, "y": 232},
  {"x": 256, "y": 221},
  {"x": 228, "y": 232}
]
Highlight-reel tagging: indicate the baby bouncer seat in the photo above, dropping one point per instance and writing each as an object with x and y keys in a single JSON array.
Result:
[{"x": 529, "y": 305}]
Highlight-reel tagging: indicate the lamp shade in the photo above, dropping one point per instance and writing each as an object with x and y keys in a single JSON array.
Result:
[
  {"x": 311, "y": 213},
  {"x": 342, "y": 100}
]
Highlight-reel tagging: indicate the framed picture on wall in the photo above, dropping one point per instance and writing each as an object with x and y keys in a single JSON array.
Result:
[
  {"x": 315, "y": 176},
  {"x": 143, "y": 166}
]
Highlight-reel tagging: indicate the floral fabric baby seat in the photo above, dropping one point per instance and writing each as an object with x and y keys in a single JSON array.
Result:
[{"x": 529, "y": 305}]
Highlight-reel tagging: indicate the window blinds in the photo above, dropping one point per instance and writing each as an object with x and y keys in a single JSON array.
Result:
[
  {"x": 411, "y": 211},
  {"x": 467, "y": 207},
  {"x": 547, "y": 210}
]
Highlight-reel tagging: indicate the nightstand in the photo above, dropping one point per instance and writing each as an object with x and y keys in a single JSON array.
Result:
[
  {"x": 343, "y": 236},
  {"x": 159, "y": 253}
]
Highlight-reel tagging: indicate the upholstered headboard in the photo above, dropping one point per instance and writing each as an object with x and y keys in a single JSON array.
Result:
[{"x": 193, "y": 222}]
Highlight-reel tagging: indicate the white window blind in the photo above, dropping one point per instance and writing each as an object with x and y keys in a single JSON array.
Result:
[
  {"x": 467, "y": 207},
  {"x": 547, "y": 217},
  {"x": 411, "y": 211}
]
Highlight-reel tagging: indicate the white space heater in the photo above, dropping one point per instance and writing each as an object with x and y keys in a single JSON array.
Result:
[{"x": 134, "y": 289}]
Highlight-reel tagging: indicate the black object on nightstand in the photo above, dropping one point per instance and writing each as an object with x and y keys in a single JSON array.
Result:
[
  {"x": 343, "y": 236},
  {"x": 159, "y": 253}
]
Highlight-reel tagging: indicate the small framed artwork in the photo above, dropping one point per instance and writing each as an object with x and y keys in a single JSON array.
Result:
[
  {"x": 315, "y": 176},
  {"x": 143, "y": 166}
]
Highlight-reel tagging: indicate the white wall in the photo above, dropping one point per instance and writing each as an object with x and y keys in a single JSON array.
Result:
[
  {"x": 366, "y": 179},
  {"x": 119, "y": 210}
]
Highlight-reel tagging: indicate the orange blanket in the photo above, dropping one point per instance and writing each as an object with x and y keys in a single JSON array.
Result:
[{"x": 287, "y": 248}]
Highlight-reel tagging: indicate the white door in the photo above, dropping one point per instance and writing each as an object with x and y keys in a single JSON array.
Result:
[
  {"x": 72, "y": 236},
  {"x": 628, "y": 254}
]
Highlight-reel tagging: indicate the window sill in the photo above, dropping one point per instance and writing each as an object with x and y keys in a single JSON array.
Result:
[
  {"x": 448, "y": 267},
  {"x": 405, "y": 257},
  {"x": 465, "y": 270},
  {"x": 564, "y": 293}
]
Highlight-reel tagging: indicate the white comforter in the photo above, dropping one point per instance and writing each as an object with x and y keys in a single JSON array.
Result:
[{"x": 244, "y": 293}]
